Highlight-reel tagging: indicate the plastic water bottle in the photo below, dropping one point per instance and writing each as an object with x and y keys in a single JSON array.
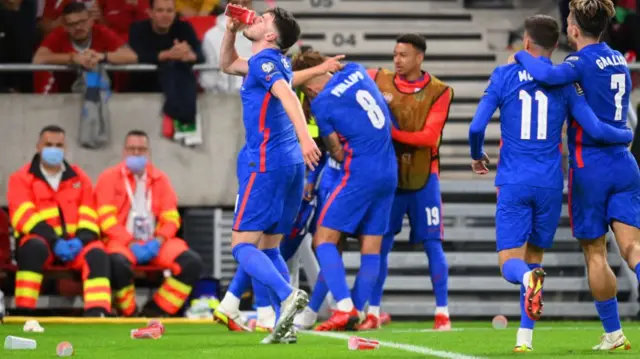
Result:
[{"x": 1, "y": 307}]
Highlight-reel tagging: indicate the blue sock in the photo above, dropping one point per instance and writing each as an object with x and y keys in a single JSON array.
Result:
[
  {"x": 367, "y": 278},
  {"x": 260, "y": 267},
  {"x": 319, "y": 293},
  {"x": 281, "y": 266},
  {"x": 514, "y": 269},
  {"x": 333, "y": 270},
  {"x": 638, "y": 271},
  {"x": 261, "y": 294},
  {"x": 378, "y": 288},
  {"x": 525, "y": 321},
  {"x": 438, "y": 270},
  {"x": 240, "y": 283},
  {"x": 608, "y": 312}
]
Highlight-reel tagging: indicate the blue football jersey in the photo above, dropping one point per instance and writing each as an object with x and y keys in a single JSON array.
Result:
[
  {"x": 531, "y": 120},
  {"x": 352, "y": 106},
  {"x": 604, "y": 76},
  {"x": 271, "y": 141}
]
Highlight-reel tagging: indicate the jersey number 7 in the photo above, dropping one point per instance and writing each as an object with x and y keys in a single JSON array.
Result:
[{"x": 543, "y": 105}]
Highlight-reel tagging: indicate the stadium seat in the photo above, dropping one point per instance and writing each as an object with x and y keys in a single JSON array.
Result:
[{"x": 201, "y": 24}]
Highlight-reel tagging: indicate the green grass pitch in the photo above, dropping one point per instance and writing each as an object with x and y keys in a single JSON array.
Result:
[{"x": 468, "y": 340}]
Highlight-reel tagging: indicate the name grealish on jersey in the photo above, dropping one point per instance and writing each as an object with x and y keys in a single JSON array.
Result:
[{"x": 604, "y": 61}]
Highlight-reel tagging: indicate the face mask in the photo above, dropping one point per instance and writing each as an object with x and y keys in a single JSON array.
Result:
[
  {"x": 52, "y": 156},
  {"x": 136, "y": 164}
]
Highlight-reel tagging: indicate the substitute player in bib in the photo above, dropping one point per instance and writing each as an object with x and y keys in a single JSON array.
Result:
[
  {"x": 604, "y": 180},
  {"x": 354, "y": 123},
  {"x": 271, "y": 189},
  {"x": 419, "y": 104},
  {"x": 529, "y": 178}
]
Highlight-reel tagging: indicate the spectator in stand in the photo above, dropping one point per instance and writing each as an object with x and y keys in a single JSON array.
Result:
[
  {"x": 51, "y": 16},
  {"x": 196, "y": 7},
  {"x": 120, "y": 14},
  {"x": 17, "y": 41},
  {"x": 218, "y": 81},
  {"x": 172, "y": 44},
  {"x": 624, "y": 29},
  {"x": 81, "y": 42}
]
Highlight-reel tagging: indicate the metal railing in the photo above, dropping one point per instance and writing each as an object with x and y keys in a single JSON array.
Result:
[{"x": 133, "y": 67}]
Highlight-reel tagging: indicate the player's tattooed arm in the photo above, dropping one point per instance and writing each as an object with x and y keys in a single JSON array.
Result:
[
  {"x": 334, "y": 146},
  {"x": 230, "y": 62}
]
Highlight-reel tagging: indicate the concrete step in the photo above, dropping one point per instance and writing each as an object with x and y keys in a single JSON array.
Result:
[
  {"x": 354, "y": 6},
  {"x": 461, "y": 131},
  {"x": 465, "y": 174},
  {"x": 442, "y": 69},
  {"x": 379, "y": 22},
  {"x": 466, "y": 111},
  {"x": 360, "y": 42}
]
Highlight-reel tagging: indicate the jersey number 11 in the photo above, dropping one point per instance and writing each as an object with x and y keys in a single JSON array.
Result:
[{"x": 543, "y": 105}]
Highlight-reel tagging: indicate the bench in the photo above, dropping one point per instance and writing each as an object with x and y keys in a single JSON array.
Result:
[{"x": 63, "y": 271}]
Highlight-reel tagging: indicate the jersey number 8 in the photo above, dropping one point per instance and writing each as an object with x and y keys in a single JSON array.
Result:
[
  {"x": 368, "y": 103},
  {"x": 543, "y": 105}
]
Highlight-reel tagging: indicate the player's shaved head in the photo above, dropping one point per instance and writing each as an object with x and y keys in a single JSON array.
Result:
[
  {"x": 543, "y": 31},
  {"x": 591, "y": 16}
]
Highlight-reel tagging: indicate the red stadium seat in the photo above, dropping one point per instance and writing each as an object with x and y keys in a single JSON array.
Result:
[{"x": 201, "y": 24}]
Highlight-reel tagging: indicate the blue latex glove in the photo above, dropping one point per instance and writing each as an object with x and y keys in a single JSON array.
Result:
[
  {"x": 142, "y": 253},
  {"x": 63, "y": 250},
  {"x": 76, "y": 246},
  {"x": 153, "y": 246}
]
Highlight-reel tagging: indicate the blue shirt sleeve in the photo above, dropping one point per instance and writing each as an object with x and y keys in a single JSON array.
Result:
[
  {"x": 562, "y": 74},
  {"x": 267, "y": 70},
  {"x": 589, "y": 122},
  {"x": 322, "y": 116},
  {"x": 487, "y": 107}
]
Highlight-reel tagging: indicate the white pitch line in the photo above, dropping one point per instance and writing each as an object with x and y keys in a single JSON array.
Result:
[
  {"x": 400, "y": 346},
  {"x": 493, "y": 330}
]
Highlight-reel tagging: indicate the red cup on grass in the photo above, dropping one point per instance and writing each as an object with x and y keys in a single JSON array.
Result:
[{"x": 357, "y": 343}]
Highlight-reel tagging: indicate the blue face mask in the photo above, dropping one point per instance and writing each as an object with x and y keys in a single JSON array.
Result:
[
  {"x": 53, "y": 156},
  {"x": 136, "y": 164}
]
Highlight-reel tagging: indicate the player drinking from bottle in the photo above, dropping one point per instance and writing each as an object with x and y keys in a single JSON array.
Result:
[
  {"x": 271, "y": 169},
  {"x": 529, "y": 178},
  {"x": 604, "y": 180},
  {"x": 355, "y": 124}
]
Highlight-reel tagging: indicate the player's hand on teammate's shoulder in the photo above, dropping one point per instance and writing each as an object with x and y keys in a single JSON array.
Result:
[
  {"x": 310, "y": 152},
  {"x": 233, "y": 25},
  {"x": 480, "y": 166},
  {"x": 333, "y": 64},
  {"x": 512, "y": 59}
]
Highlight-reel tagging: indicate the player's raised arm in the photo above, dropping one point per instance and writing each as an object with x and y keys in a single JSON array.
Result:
[
  {"x": 230, "y": 62},
  {"x": 430, "y": 134},
  {"x": 590, "y": 123},
  {"x": 282, "y": 90},
  {"x": 486, "y": 108},
  {"x": 331, "y": 64},
  {"x": 562, "y": 74}
]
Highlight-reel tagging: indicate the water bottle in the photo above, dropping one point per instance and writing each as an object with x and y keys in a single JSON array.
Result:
[{"x": 1, "y": 307}]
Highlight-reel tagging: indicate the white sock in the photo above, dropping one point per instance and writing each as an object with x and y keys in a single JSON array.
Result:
[
  {"x": 615, "y": 334},
  {"x": 345, "y": 305},
  {"x": 524, "y": 337},
  {"x": 442, "y": 310},
  {"x": 230, "y": 302},
  {"x": 266, "y": 316},
  {"x": 525, "y": 278},
  {"x": 374, "y": 310}
]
